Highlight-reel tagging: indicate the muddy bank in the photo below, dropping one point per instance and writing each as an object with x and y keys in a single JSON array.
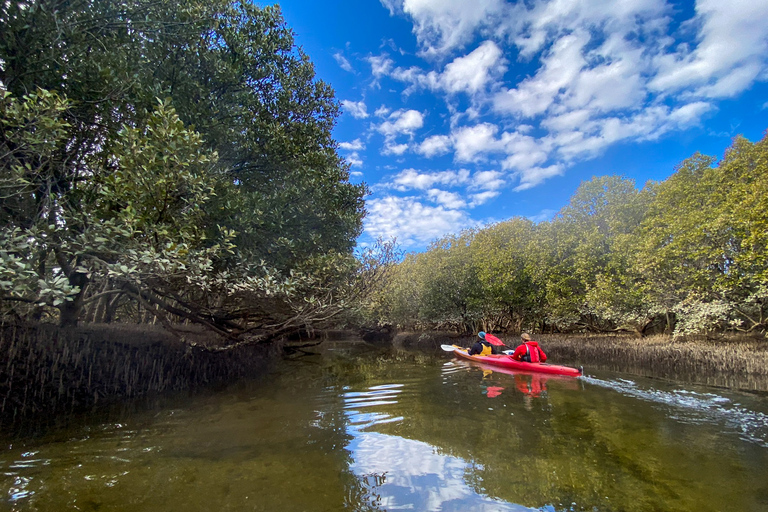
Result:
[
  {"x": 734, "y": 363},
  {"x": 47, "y": 371}
]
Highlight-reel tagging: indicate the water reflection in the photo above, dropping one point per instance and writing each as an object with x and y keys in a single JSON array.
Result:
[
  {"x": 407, "y": 474},
  {"x": 414, "y": 476},
  {"x": 395, "y": 432}
]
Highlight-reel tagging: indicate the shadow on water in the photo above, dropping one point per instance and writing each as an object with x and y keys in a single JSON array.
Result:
[{"x": 352, "y": 428}]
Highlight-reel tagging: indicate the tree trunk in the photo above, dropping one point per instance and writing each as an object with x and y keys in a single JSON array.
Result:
[{"x": 69, "y": 311}]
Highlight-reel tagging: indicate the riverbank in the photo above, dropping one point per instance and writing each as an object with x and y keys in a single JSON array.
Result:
[
  {"x": 47, "y": 371},
  {"x": 739, "y": 363}
]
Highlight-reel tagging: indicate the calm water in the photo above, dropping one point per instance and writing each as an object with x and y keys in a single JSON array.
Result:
[{"x": 407, "y": 431}]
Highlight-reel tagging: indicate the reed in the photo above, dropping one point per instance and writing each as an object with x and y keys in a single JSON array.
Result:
[
  {"x": 728, "y": 362},
  {"x": 46, "y": 370}
]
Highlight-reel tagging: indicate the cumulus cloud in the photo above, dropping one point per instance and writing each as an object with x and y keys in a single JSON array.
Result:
[
  {"x": 487, "y": 180},
  {"x": 356, "y": 109},
  {"x": 380, "y": 65},
  {"x": 442, "y": 25},
  {"x": 530, "y": 88},
  {"x": 529, "y": 178},
  {"x": 401, "y": 122},
  {"x": 355, "y": 145},
  {"x": 472, "y": 142},
  {"x": 410, "y": 221},
  {"x": 394, "y": 149},
  {"x": 560, "y": 68},
  {"x": 445, "y": 198},
  {"x": 481, "y": 198},
  {"x": 434, "y": 145},
  {"x": 409, "y": 179},
  {"x": 470, "y": 73},
  {"x": 354, "y": 160},
  {"x": 729, "y": 55}
]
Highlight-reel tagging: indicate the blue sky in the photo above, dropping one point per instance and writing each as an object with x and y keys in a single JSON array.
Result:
[{"x": 461, "y": 113}]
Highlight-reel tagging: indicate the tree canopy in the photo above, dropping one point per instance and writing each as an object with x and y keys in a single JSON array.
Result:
[
  {"x": 686, "y": 255},
  {"x": 171, "y": 158}
]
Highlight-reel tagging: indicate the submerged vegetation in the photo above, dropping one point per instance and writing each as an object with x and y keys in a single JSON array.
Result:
[{"x": 685, "y": 256}]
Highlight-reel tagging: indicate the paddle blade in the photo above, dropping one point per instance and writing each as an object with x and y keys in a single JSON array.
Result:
[
  {"x": 493, "y": 340},
  {"x": 449, "y": 348}
]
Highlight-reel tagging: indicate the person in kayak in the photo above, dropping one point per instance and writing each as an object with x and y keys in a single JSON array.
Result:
[
  {"x": 481, "y": 347},
  {"x": 529, "y": 351}
]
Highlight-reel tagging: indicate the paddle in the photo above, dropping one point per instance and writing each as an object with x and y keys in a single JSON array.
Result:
[
  {"x": 451, "y": 348},
  {"x": 493, "y": 340}
]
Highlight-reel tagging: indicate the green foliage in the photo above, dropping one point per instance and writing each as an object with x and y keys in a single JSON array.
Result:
[
  {"x": 686, "y": 255},
  {"x": 225, "y": 203},
  {"x": 451, "y": 293},
  {"x": 504, "y": 255}
]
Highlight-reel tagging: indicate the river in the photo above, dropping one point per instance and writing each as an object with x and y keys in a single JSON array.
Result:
[{"x": 364, "y": 429}]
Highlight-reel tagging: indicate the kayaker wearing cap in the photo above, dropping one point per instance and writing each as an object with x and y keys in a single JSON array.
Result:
[
  {"x": 529, "y": 351},
  {"x": 481, "y": 347}
]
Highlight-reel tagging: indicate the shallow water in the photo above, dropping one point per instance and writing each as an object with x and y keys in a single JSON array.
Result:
[{"x": 369, "y": 430}]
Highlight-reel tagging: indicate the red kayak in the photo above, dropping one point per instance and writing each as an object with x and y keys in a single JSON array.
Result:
[{"x": 506, "y": 361}]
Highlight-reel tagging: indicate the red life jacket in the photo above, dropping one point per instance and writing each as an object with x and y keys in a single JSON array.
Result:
[{"x": 532, "y": 353}]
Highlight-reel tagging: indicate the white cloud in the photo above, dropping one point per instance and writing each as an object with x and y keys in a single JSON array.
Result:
[
  {"x": 560, "y": 68},
  {"x": 382, "y": 111},
  {"x": 401, "y": 122},
  {"x": 594, "y": 136},
  {"x": 523, "y": 151},
  {"x": 598, "y": 73},
  {"x": 472, "y": 72},
  {"x": 488, "y": 180},
  {"x": 412, "y": 179},
  {"x": 380, "y": 65},
  {"x": 471, "y": 141},
  {"x": 445, "y": 198},
  {"x": 394, "y": 149},
  {"x": 354, "y": 160},
  {"x": 441, "y": 25},
  {"x": 410, "y": 221},
  {"x": 355, "y": 145},
  {"x": 342, "y": 62},
  {"x": 689, "y": 114},
  {"x": 356, "y": 109},
  {"x": 732, "y": 47},
  {"x": 567, "y": 121},
  {"x": 529, "y": 178},
  {"x": 483, "y": 197},
  {"x": 435, "y": 145}
]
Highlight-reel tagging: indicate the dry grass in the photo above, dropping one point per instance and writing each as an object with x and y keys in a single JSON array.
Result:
[{"x": 661, "y": 353}]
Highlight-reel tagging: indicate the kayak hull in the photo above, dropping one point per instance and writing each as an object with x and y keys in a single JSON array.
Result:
[{"x": 506, "y": 361}]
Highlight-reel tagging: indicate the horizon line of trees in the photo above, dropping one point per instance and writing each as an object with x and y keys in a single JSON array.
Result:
[{"x": 684, "y": 256}]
